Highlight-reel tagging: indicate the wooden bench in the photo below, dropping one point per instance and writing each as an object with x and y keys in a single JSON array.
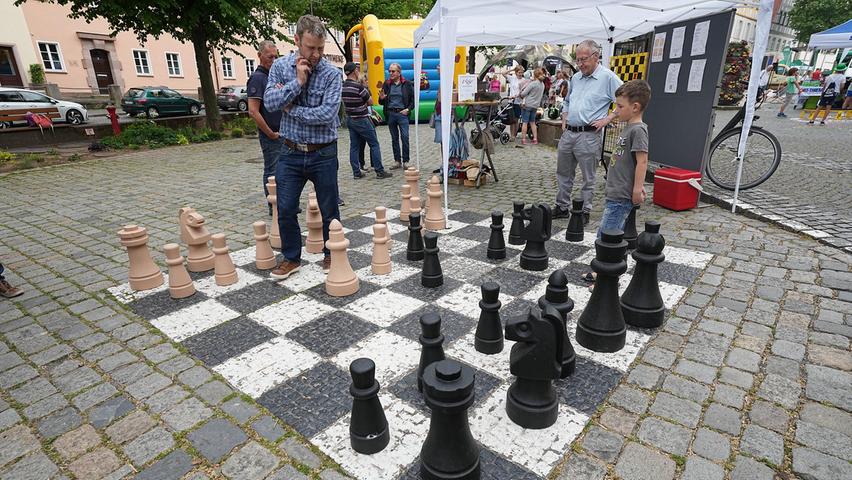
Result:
[{"x": 20, "y": 114}]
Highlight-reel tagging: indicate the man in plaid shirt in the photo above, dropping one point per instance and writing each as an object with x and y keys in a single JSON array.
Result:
[{"x": 306, "y": 88}]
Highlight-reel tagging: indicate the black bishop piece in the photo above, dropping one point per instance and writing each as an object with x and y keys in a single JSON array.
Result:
[
  {"x": 556, "y": 296},
  {"x": 516, "y": 230},
  {"x": 489, "y": 330},
  {"x": 601, "y": 326},
  {"x": 432, "y": 275},
  {"x": 432, "y": 341},
  {"x": 496, "y": 244},
  {"x": 641, "y": 304},
  {"x": 415, "y": 238},
  {"x": 368, "y": 427},
  {"x": 575, "y": 223}
]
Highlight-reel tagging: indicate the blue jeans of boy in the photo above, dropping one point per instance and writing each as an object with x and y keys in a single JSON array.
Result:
[
  {"x": 398, "y": 126},
  {"x": 362, "y": 132},
  {"x": 615, "y": 215}
]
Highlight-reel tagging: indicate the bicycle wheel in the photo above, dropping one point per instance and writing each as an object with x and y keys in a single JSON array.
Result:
[{"x": 763, "y": 155}]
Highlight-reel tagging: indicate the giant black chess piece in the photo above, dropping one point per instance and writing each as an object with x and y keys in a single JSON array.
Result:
[
  {"x": 432, "y": 341},
  {"x": 415, "y": 238},
  {"x": 432, "y": 275},
  {"x": 630, "y": 234},
  {"x": 449, "y": 452},
  {"x": 536, "y": 232},
  {"x": 575, "y": 223},
  {"x": 368, "y": 427},
  {"x": 489, "y": 330},
  {"x": 641, "y": 304},
  {"x": 556, "y": 296},
  {"x": 535, "y": 361},
  {"x": 601, "y": 325},
  {"x": 516, "y": 230},
  {"x": 496, "y": 244}
]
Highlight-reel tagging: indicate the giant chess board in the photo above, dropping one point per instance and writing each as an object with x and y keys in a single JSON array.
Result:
[{"x": 288, "y": 344}]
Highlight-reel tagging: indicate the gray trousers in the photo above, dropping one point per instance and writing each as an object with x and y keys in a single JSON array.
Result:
[{"x": 583, "y": 148}]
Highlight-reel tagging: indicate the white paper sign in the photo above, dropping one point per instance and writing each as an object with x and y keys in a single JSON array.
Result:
[
  {"x": 696, "y": 75},
  {"x": 467, "y": 87},
  {"x": 659, "y": 47},
  {"x": 671, "y": 78},
  {"x": 699, "y": 38},
  {"x": 676, "y": 50}
]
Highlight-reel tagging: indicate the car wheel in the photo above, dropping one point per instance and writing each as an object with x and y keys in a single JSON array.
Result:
[
  {"x": 242, "y": 106},
  {"x": 74, "y": 117},
  {"x": 152, "y": 112},
  {"x": 193, "y": 109},
  {"x": 5, "y": 124}
]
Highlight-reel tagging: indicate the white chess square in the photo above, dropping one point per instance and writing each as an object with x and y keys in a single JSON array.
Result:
[
  {"x": 389, "y": 213},
  {"x": 690, "y": 258},
  {"x": 394, "y": 355},
  {"x": 207, "y": 285},
  {"x": 464, "y": 350},
  {"x": 399, "y": 271},
  {"x": 671, "y": 294},
  {"x": 455, "y": 245},
  {"x": 383, "y": 307},
  {"x": 124, "y": 294},
  {"x": 393, "y": 228},
  {"x": 290, "y": 313},
  {"x": 506, "y": 226},
  {"x": 194, "y": 319},
  {"x": 311, "y": 257},
  {"x": 620, "y": 360},
  {"x": 465, "y": 269},
  {"x": 465, "y": 300},
  {"x": 244, "y": 257},
  {"x": 552, "y": 264},
  {"x": 452, "y": 226},
  {"x": 309, "y": 275},
  {"x": 267, "y": 365}
]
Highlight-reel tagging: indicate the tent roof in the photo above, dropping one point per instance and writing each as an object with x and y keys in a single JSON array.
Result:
[{"x": 835, "y": 37}]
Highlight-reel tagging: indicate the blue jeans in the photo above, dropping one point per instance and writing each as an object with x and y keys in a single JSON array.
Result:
[
  {"x": 362, "y": 132},
  {"x": 270, "y": 149},
  {"x": 1, "y": 272},
  {"x": 295, "y": 168},
  {"x": 615, "y": 215},
  {"x": 398, "y": 126}
]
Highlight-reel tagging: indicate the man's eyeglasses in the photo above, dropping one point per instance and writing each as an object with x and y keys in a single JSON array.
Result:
[
  {"x": 394, "y": 71},
  {"x": 585, "y": 59}
]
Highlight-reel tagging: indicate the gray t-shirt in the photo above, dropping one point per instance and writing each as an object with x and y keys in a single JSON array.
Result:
[{"x": 622, "y": 165}]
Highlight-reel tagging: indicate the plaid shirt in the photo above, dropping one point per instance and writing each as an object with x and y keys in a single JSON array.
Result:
[{"x": 314, "y": 117}]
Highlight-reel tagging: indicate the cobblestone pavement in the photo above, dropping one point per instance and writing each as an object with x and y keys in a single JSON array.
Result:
[{"x": 748, "y": 378}]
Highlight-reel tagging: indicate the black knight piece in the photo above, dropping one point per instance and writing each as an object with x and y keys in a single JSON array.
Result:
[
  {"x": 630, "y": 233},
  {"x": 415, "y": 238},
  {"x": 516, "y": 230},
  {"x": 556, "y": 296},
  {"x": 575, "y": 223},
  {"x": 432, "y": 275},
  {"x": 642, "y": 305},
  {"x": 496, "y": 244},
  {"x": 432, "y": 341},
  {"x": 449, "y": 452},
  {"x": 601, "y": 325},
  {"x": 368, "y": 427},
  {"x": 535, "y": 361},
  {"x": 489, "y": 330},
  {"x": 536, "y": 232}
]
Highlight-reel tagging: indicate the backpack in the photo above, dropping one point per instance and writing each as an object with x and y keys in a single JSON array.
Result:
[{"x": 829, "y": 93}]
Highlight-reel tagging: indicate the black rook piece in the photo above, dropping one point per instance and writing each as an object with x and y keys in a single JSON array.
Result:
[
  {"x": 496, "y": 244},
  {"x": 489, "y": 330},
  {"x": 630, "y": 233},
  {"x": 535, "y": 361},
  {"x": 642, "y": 305},
  {"x": 368, "y": 427},
  {"x": 536, "y": 232},
  {"x": 432, "y": 275},
  {"x": 575, "y": 223},
  {"x": 516, "y": 230},
  {"x": 449, "y": 452},
  {"x": 432, "y": 341},
  {"x": 556, "y": 296},
  {"x": 601, "y": 325},
  {"x": 415, "y": 238}
]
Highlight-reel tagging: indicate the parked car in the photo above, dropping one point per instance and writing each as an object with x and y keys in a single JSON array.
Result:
[
  {"x": 157, "y": 101},
  {"x": 233, "y": 97},
  {"x": 19, "y": 98}
]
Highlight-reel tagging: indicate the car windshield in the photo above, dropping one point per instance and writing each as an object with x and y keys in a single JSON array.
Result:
[
  {"x": 135, "y": 92},
  {"x": 226, "y": 90}
]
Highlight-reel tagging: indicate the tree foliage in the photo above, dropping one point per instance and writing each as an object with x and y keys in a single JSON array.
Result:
[{"x": 811, "y": 16}]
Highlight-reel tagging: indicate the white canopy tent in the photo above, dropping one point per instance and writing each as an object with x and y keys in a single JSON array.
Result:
[
  {"x": 453, "y": 23},
  {"x": 835, "y": 37}
]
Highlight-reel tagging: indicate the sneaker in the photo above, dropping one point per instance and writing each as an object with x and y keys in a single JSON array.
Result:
[
  {"x": 356, "y": 177},
  {"x": 383, "y": 174},
  {"x": 437, "y": 170},
  {"x": 366, "y": 169},
  {"x": 284, "y": 270},
  {"x": 811, "y": 122},
  {"x": 782, "y": 115},
  {"x": 524, "y": 141},
  {"x": 340, "y": 202},
  {"x": 822, "y": 123},
  {"x": 326, "y": 264},
  {"x": 395, "y": 166},
  {"x": 535, "y": 142},
  {"x": 405, "y": 166},
  {"x": 585, "y": 218},
  {"x": 9, "y": 291},
  {"x": 561, "y": 212}
]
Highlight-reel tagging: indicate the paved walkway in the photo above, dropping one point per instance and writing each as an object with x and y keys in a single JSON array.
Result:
[{"x": 748, "y": 378}]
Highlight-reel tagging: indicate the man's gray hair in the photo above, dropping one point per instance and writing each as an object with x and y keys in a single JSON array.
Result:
[
  {"x": 590, "y": 45},
  {"x": 264, "y": 44},
  {"x": 398, "y": 66},
  {"x": 310, "y": 24}
]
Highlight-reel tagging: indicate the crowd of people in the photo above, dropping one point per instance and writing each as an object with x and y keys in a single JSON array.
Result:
[{"x": 834, "y": 89}]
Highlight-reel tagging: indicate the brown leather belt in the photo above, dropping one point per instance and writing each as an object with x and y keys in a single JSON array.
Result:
[{"x": 305, "y": 147}]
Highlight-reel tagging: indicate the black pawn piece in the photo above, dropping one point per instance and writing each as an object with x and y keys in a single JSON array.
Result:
[
  {"x": 449, "y": 452},
  {"x": 601, "y": 326},
  {"x": 496, "y": 244},
  {"x": 415, "y": 238},
  {"x": 432, "y": 275},
  {"x": 368, "y": 427},
  {"x": 432, "y": 341},
  {"x": 575, "y": 223},
  {"x": 630, "y": 233},
  {"x": 516, "y": 230},
  {"x": 489, "y": 330},
  {"x": 536, "y": 232},
  {"x": 556, "y": 296},
  {"x": 642, "y": 305}
]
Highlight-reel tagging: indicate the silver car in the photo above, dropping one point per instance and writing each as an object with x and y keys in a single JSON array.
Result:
[
  {"x": 19, "y": 98},
  {"x": 232, "y": 97}
]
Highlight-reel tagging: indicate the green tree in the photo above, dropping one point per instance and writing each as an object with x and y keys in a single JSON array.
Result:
[
  {"x": 811, "y": 16},
  {"x": 209, "y": 25}
]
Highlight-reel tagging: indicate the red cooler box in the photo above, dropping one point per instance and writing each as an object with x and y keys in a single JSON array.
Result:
[{"x": 676, "y": 189}]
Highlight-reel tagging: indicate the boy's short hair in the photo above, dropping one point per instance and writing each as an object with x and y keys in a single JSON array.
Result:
[{"x": 636, "y": 91}]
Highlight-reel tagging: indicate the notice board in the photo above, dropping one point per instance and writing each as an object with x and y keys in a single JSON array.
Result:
[{"x": 685, "y": 73}]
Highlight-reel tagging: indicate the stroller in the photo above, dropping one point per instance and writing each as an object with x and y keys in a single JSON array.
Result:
[{"x": 497, "y": 126}]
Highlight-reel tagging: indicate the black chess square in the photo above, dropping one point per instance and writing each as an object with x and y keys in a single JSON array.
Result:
[
  {"x": 161, "y": 303},
  {"x": 412, "y": 287},
  {"x": 588, "y": 386},
  {"x": 516, "y": 308},
  {"x": 491, "y": 466},
  {"x": 480, "y": 253},
  {"x": 357, "y": 223},
  {"x": 512, "y": 282},
  {"x": 406, "y": 389},
  {"x": 468, "y": 217},
  {"x": 453, "y": 324},
  {"x": 254, "y": 296},
  {"x": 474, "y": 232},
  {"x": 196, "y": 276},
  {"x": 318, "y": 293},
  {"x": 677, "y": 274},
  {"x": 575, "y": 271},
  {"x": 357, "y": 239},
  {"x": 227, "y": 340},
  {"x": 331, "y": 333},
  {"x": 566, "y": 251}
]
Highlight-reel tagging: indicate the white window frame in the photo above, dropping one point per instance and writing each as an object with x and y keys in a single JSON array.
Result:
[
  {"x": 229, "y": 74},
  {"x": 61, "y": 68},
  {"x": 150, "y": 72},
  {"x": 249, "y": 71},
  {"x": 179, "y": 73}
]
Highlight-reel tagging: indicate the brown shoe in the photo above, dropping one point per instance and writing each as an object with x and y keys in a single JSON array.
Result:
[
  {"x": 326, "y": 264},
  {"x": 9, "y": 291},
  {"x": 284, "y": 270}
]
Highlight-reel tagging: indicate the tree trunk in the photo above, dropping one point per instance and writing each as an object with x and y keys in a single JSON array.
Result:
[
  {"x": 347, "y": 50},
  {"x": 471, "y": 59},
  {"x": 202, "y": 62}
]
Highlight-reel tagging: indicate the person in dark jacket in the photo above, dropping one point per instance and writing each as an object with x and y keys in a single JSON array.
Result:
[{"x": 397, "y": 98}]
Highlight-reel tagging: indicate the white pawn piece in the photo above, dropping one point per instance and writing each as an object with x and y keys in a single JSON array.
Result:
[
  {"x": 180, "y": 284},
  {"x": 405, "y": 207},
  {"x": 225, "y": 273},
  {"x": 264, "y": 257},
  {"x": 414, "y": 203},
  {"x": 143, "y": 272},
  {"x": 272, "y": 198},
  {"x": 435, "y": 219},
  {"x": 341, "y": 280},
  {"x": 381, "y": 250},
  {"x": 412, "y": 178},
  {"x": 315, "y": 241},
  {"x": 195, "y": 235},
  {"x": 382, "y": 218}
]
